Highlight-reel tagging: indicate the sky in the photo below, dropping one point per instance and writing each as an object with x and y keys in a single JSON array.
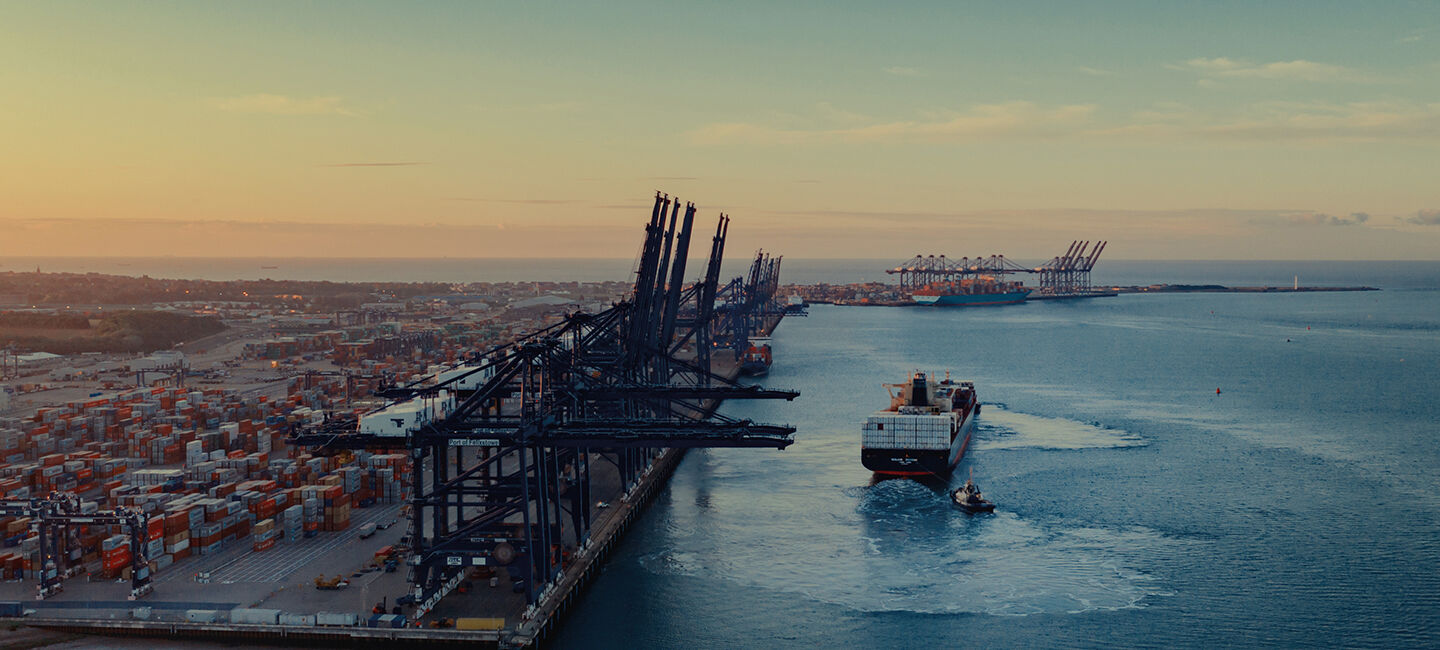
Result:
[{"x": 1202, "y": 130}]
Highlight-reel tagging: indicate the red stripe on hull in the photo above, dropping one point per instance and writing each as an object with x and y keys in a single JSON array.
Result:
[{"x": 963, "y": 446}]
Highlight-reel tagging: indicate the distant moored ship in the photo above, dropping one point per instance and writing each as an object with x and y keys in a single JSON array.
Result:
[{"x": 976, "y": 291}]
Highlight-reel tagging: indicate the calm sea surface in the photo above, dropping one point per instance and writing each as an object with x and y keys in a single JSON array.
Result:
[{"x": 1136, "y": 506}]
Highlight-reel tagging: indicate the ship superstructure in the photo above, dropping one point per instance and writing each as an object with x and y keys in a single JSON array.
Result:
[{"x": 925, "y": 430}]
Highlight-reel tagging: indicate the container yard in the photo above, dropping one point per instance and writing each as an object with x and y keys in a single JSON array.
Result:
[{"x": 392, "y": 474}]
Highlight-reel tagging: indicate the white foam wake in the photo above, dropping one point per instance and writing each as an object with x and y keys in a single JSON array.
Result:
[{"x": 999, "y": 428}]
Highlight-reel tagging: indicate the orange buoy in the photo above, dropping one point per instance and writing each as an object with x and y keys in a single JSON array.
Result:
[{"x": 1217, "y": 391}]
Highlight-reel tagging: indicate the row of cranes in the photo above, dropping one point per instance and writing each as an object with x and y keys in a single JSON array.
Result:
[
  {"x": 1067, "y": 274},
  {"x": 507, "y": 446}
]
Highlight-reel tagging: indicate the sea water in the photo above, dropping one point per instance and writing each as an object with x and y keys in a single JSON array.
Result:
[{"x": 1135, "y": 505}]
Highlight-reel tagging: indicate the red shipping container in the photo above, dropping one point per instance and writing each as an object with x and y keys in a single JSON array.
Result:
[{"x": 117, "y": 562}]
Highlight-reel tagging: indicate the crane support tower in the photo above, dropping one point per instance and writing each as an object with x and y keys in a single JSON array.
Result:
[{"x": 57, "y": 520}]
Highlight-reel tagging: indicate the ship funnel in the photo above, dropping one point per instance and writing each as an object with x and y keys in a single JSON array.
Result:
[{"x": 919, "y": 393}]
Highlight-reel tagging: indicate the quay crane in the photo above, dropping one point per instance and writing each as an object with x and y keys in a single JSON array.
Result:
[
  {"x": 1063, "y": 275},
  {"x": 502, "y": 475}
]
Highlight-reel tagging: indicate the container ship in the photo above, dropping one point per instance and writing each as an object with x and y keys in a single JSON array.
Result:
[
  {"x": 756, "y": 360},
  {"x": 925, "y": 430},
  {"x": 971, "y": 292}
]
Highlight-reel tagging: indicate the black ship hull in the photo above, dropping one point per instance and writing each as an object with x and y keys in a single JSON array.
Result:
[{"x": 919, "y": 462}]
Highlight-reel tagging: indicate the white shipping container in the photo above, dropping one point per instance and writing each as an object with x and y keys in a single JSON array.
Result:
[
  {"x": 203, "y": 616},
  {"x": 249, "y": 616}
]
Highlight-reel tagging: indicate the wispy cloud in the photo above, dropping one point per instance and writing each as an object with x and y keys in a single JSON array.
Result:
[
  {"x": 1095, "y": 72},
  {"x": 1426, "y": 218},
  {"x": 1015, "y": 119},
  {"x": 514, "y": 201},
  {"x": 1322, "y": 219},
  {"x": 1323, "y": 121},
  {"x": 1296, "y": 122},
  {"x": 284, "y": 105},
  {"x": 1297, "y": 70},
  {"x": 1414, "y": 36},
  {"x": 903, "y": 71},
  {"x": 376, "y": 164}
]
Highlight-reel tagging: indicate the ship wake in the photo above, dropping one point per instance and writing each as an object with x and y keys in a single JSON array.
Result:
[
  {"x": 903, "y": 548},
  {"x": 1001, "y": 428}
]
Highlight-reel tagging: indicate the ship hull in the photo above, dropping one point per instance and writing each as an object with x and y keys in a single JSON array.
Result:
[
  {"x": 921, "y": 462},
  {"x": 972, "y": 300}
]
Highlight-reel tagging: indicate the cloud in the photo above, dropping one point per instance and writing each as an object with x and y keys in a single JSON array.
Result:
[
  {"x": 1095, "y": 72},
  {"x": 1321, "y": 219},
  {"x": 1297, "y": 70},
  {"x": 283, "y": 105},
  {"x": 1293, "y": 122},
  {"x": 516, "y": 201},
  {"x": 1319, "y": 121},
  {"x": 902, "y": 71},
  {"x": 1017, "y": 119},
  {"x": 1426, "y": 218},
  {"x": 376, "y": 164}
]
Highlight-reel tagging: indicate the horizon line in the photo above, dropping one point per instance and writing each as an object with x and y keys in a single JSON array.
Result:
[{"x": 3, "y": 258}]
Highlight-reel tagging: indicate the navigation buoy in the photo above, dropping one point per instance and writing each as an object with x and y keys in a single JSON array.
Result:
[{"x": 1217, "y": 391}]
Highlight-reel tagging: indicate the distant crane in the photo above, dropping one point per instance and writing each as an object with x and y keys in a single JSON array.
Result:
[
  {"x": 1069, "y": 274},
  {"x": 1065, "y": 275}
]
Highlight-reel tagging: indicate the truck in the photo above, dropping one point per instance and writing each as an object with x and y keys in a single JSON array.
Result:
[{"x": 367, "y": 530}]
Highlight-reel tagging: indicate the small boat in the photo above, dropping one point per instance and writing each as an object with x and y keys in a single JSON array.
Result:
[{"x": 969, "y": 498}]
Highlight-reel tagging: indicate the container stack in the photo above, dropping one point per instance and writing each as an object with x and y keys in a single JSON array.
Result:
[
  {"x": 206, "y": 466},
  {"x": 292, "y": 522},
  {"x": 116, "y": 551},
  {"x": 264, "y": 535}
]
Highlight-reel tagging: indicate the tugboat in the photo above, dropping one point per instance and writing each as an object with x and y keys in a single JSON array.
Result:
[
  {"x": 925, "y": 430},
  {"x": 969, "y": 498}
]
